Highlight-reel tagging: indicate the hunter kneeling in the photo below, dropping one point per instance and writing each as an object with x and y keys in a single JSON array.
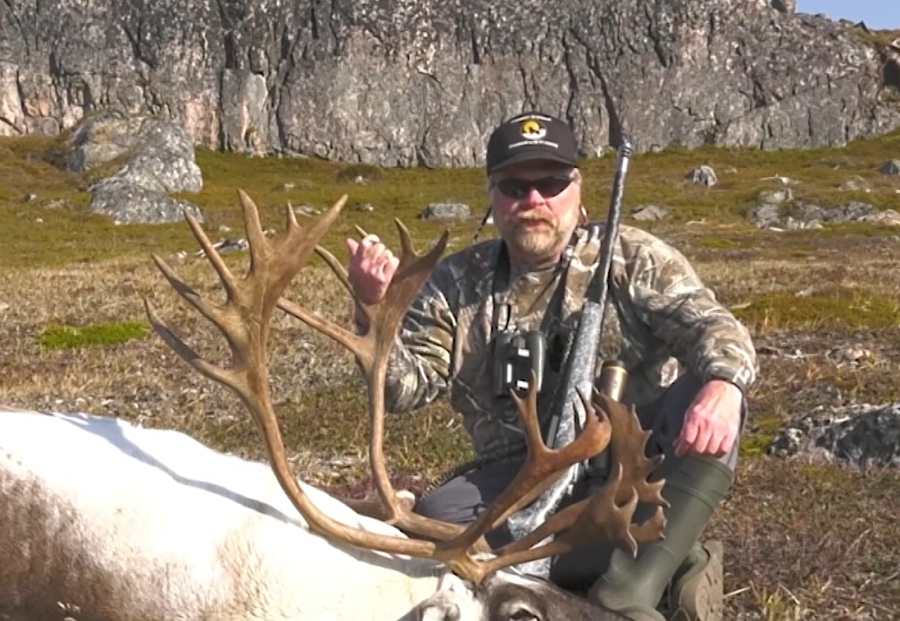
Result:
[{"x": 689, "y": 363}]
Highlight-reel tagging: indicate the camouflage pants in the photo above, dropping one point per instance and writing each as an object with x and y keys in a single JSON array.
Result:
[{"x": 463, "y": 498}]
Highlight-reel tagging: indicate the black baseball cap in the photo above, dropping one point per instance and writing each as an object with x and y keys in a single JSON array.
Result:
[{"x": 531, "y": 136}]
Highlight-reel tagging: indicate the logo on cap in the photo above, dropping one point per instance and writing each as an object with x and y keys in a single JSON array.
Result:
[{"x": 532, "y": 129}]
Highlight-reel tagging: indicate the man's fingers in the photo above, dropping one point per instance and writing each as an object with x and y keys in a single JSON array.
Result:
[
  {"x": 352, "y": 245},
  {"x": 685, "y": 441},
  {"x": 716, "y": 441},
  {"x": 679, "y": 447},
  {"x": 701, "y": 444},
  {"x": 373, "y": 250},
  {"x": 387, "y": 265}
]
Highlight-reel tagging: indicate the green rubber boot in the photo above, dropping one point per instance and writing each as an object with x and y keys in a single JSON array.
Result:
[
  {"x": 634, "y": 586},
  {"x": 697, "y": 590}
]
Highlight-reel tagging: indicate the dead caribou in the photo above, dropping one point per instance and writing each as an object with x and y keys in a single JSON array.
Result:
[{"x": 103, "y": 520}]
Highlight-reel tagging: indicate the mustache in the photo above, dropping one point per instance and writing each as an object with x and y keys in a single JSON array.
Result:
[{"x": 535, "y": 217}]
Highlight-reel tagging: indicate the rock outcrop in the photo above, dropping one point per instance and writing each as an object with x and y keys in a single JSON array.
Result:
[
  {"x": 423, "y": 81},
  {"x": 158, "y": 160},
  {"x": 862, "y": 435}
]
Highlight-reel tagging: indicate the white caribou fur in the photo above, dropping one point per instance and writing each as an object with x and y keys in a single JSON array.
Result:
[{"x": 103, "y": 520}]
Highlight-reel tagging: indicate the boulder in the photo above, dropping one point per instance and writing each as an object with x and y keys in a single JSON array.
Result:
[
  {"x": 158, "y": 160},
  {"x": 861, "y": 435},
  {"x": 445, "y": 211}
]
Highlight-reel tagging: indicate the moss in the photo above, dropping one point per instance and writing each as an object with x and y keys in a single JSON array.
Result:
[
  {"x": 94, "y": 335},
  {"x": 852, "y": 308},
  {"x": 760, "y": 432}
]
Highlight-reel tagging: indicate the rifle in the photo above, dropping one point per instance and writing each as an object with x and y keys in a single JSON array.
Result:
[{"x": 578, "y": 376}]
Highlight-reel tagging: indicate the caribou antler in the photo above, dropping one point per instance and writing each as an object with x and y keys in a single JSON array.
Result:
[
  {"x": 244, "y": 321},
  {"x": 608, "y": 513}
]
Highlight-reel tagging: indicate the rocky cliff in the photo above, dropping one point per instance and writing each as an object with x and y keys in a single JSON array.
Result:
[{"x": 406, "y": 82}]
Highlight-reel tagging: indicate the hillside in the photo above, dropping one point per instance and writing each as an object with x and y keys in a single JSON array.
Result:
[{"x": 421, "y": 82}]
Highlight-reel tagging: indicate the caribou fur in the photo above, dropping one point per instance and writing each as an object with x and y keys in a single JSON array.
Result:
[{"x": 102, "y": 520}]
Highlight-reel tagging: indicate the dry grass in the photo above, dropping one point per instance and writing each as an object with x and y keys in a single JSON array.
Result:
[{"x": 803, "y": 541}]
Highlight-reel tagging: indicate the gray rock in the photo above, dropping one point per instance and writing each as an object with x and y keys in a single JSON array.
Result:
[
  {"x": 445, "y": 211},
  {"x": 363, "y": 82},
  {"x": 890, "y": 168},
  {"x": 163, "y": 162},
  {"x": 804, "y": 215},
  {"x": 851, "y": 212},
  {"x": 102, "y": 138},
  {"x": 160, "y": 161},
  {"x": 127, "y": 203},
  {"x": 888, "y": 217},
  {"x": 765, "y": 215},
  {"x": 784, "y": 6},
  {"x": 704, "y": 174},
  {"x": 856, "y": 184},
  {"x": 649, "y": 213},
  {"x": 809, "y": 212},
  {"x": 862, "y": 435},
  {"x": 775, "y": 197}
]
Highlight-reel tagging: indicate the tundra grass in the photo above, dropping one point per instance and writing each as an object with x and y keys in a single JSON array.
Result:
[{"x": 801, "y": 541}]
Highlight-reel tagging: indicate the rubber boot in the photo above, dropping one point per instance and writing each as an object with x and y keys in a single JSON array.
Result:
[
  {"x": 634, "y": 586},
  {"x": 697, "y": 588}
]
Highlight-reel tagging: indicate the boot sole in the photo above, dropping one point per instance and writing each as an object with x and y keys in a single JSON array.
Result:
[{"x": 700, "y": 597}]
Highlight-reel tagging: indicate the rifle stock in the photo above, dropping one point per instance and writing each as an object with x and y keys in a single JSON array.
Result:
[{"x": 568, "y": 413}]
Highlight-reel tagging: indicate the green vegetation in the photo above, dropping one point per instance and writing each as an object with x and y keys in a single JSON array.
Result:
[
  {"x": 783, "y": 310},
  {"x": 723, "y": 243},
  {"x": 100, "y": 334},
  {"x": 761, "y": 430},
  {"x": 45, "y": 221}
]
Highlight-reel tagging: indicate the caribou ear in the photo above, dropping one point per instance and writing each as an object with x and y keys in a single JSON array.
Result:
[
  {"x": 519, "y": 610},
  {"x": 454, "y": 600},
  {"x": 442, "y": 610}
]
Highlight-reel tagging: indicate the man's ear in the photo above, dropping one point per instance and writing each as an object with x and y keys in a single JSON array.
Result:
[{"x": 583, "y": 217}]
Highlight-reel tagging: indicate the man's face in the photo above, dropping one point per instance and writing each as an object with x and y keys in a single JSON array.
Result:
[{"x": 536, "y": 207}]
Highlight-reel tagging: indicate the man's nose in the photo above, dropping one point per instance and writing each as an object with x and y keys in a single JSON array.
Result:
[{"x": 533, "y": 197}]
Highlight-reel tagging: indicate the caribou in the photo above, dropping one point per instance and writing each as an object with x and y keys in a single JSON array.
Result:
[{"x": 103, "y": 520}]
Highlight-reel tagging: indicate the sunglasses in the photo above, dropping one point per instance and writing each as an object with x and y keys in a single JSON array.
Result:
[{"x": 547, "y": 187}]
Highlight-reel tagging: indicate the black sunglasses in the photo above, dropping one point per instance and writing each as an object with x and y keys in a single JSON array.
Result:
[{"x": 548, "y": 187}]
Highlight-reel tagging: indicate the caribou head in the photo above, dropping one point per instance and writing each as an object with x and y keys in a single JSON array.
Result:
[{"x": 479, "y": 584}]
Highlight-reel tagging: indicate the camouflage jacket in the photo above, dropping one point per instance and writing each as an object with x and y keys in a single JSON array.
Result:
[{"x": 660, "y": 320}]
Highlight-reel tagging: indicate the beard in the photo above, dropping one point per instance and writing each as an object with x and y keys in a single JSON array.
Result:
[{"x": 535, "y": 235}]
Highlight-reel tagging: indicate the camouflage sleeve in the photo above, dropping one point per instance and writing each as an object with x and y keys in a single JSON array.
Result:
[
  {"x": 419, "y": 364},
  {"x": 680, "y": 311}
]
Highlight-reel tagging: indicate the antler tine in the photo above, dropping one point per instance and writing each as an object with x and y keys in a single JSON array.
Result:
[
  {"x": 599, "y": 520},
  {"x": 607, "y": 515},
  {"x": 244, "y": 320},
  {"x": 540, "y": 464},
  {"x": 371, "y": 351},
  {"x": 336, "y": 267},
  {"x": 210, "y": 311},
  {"x": 627, "y": 447}
]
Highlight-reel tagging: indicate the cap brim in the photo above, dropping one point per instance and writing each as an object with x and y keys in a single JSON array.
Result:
[{"x": 531, "y": 155}]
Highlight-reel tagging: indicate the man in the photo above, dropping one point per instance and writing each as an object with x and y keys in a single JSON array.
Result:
[{"x": 689, "y": 360}]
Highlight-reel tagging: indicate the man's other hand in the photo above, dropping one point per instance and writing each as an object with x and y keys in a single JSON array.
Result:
[{"x": 712, "y": 422}]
